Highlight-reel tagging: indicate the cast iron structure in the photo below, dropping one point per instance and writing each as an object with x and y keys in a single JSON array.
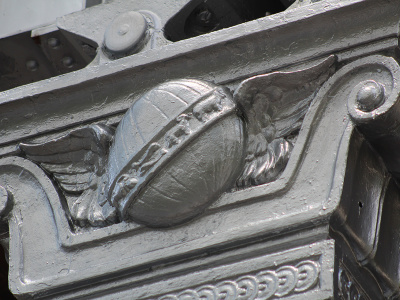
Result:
[{"x": 207, "y": 152}]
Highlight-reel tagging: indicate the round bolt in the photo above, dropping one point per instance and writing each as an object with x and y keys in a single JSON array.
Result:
[
  {"x": 126, "y": 33},
  {"x": 68, "y": 61},
  {"x": 53, "y": 42},
  {"x": 370, "y": 96},
  {"x": 32, "y": 65}
]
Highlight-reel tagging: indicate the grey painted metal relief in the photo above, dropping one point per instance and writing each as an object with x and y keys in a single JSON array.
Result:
[
  {"x": 267, "y": 284},
  {"x": 274, "y": 106},
  {"x": 78, "y": 163},
  {"x": 206, "y": 150},
  {"x": 179, "y": 147},
  {"x": 184, "y": 149}
]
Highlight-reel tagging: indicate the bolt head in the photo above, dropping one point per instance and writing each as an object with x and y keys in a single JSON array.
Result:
[
  {"x": 53, "y": 42},
  {"x": 68, "y": 61},
  {"x": 32, "y": 65},
  {"x": 126, "y": 33},
  {"x": 370, "y": 96}
]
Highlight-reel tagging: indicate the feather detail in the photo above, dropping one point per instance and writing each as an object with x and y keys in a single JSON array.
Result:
[
  {"x": 74, "y": 159},
  {"x": 77, "y": 162},
  {"x": 274, "y": 106}
]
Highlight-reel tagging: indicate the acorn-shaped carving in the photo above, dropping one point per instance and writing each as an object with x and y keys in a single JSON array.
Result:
[{"x": 177, "y": 149}]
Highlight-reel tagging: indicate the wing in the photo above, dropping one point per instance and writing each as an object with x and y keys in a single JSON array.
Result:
[
  {"x": 75, "y": 159},
  {"x": 274, "y": 106}
]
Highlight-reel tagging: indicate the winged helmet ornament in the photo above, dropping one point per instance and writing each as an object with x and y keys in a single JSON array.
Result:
[{"x": 179, "y": 147}]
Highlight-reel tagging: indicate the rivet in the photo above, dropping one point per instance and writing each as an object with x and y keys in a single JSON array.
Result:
[
  {"x": 68, "y": 61},
  {"x": 370, "y": 96},
  {"x": 53, "y": 42},
  {"x": 32, "y": 65}
]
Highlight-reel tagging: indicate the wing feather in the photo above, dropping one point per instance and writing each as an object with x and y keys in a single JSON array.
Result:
[
  {"x": 61, "y": 158},
  {"x": 74, "y": 159},
  {"x": 78, "y": 178},
  {"x": 66, "y": 168},
  {"x": 274, "y": 106}
]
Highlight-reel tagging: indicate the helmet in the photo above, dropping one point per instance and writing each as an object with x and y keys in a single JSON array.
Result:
[{"x": 176, "y": 150}]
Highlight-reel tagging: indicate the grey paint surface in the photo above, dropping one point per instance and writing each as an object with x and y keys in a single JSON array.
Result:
[
  {"x": 342, "y": 153},
  {"x": 109, "y": 92}
]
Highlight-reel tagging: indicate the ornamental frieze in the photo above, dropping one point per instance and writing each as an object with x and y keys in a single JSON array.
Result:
[{"x": 264, "y": 285}]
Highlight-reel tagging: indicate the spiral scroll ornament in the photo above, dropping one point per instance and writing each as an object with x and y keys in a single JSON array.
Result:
[{"x": 264, "y": 285}]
